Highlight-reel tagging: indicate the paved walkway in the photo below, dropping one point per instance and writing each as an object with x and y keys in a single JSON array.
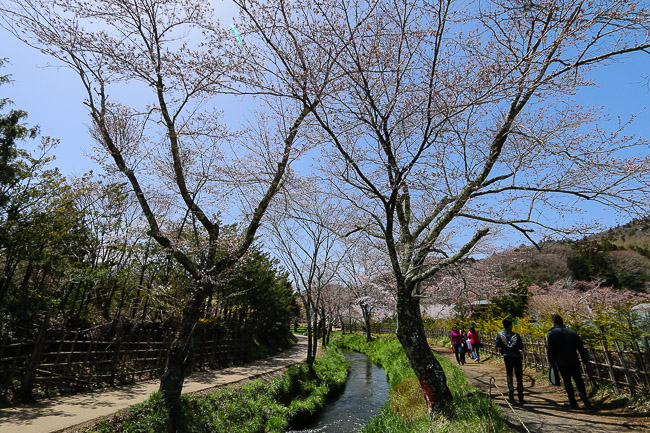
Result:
[
  {"x": 543, "y": 411},
  {"x": 63, "y": 412}
]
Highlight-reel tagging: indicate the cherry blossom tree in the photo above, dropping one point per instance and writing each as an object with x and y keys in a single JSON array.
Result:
[
  {"x": 469, "y": 281},
  {"x": 578, "y": 298},
  {"x": 442, "y": 123},
  {"x": 305, "y": 231},
  {"x": 446, "y": 121},
  {"x": 334, "y": 300},
  {"x": 367, "y": 278},
  {"x": 153, "y": 72}
]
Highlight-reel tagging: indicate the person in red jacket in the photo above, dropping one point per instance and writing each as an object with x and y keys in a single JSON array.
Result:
[{"x": 475, "y": 342}]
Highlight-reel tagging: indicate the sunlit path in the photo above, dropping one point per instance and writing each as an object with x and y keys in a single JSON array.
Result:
[
  {"x": 60, "y": 413},
  {"x": 543, "y": 411}
]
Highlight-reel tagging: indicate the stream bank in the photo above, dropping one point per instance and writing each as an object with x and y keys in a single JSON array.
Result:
[{"x": 365, "y": 392}]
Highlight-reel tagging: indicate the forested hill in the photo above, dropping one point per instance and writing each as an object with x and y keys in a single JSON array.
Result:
[
  {"x": 634, "y": 235},
  {"x": 620, "y": 256}
]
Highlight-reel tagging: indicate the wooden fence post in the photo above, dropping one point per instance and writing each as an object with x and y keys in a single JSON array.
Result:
[
  {"x": 547, "y": 366},
  {"x": 596, "y": 364},
  {"x": 144, "y": 364},
  {"x": 534, "y": 347},
  {"x": 86, "y": 366},
  {"x": 628, "y": 377},
  {"x": 642, "y": 366},
  {"x": 490, "y": 345},
  {"x": 161, "y": 358},
  {"x": 610, "y": 366},
  {"x": 584, "y": 366},
  {"x": 35, "y": 360},
  {"x": 117, "y": 341},
  {"x": 646, "y": 348},
  {"x": 66, "y": 369}
]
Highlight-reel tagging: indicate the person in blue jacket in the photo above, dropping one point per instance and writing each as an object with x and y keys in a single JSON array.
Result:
[
  {"x": 511, "y": 345},
  {"x": 561, "y": 347}
]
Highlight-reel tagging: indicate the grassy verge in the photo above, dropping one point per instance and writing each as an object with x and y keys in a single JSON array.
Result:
[
  {"x": 440, "y": 341},
  {"x": 259, "y": 406},
  {"x": 406, "y": 411},
  {"x": 259, "y": 350}
]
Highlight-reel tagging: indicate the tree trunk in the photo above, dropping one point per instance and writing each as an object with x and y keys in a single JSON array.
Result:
[
  {"x": 314, "y": 346},
  {"x": 350, "y": 318},
  {"x": 171, "y": 383},
  {"x": 329, "y": 333},
  {"x": 410, "y": 332},
  {"x": 35, "y": 360},
  {"x": 136, "y": 302},
  {"x": 366, "y": 321},
  {"x": 310, "y": 332},
  {"x": 323, "y": 323},
  {"x": 7, "y": 276}
]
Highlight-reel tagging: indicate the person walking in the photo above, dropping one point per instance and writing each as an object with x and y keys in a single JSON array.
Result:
[
  {"x": 456, "y": 343},
  {"x": 510, "y": 344},
  {"x": 463, "y": 343},
  {"x": 470, "y": 349},
  {"x": 475, "y": 342},
  {"x": 562, "y": 347}
]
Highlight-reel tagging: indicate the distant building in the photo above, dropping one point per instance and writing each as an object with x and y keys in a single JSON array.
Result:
[
  {"x": 479, "y": 303},
  {"x": 643, "y": 311},
  {"x": 478, "y": 307}
]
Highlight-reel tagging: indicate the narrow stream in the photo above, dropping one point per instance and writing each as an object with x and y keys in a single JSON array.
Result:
[{"x": 365, "y": 393}]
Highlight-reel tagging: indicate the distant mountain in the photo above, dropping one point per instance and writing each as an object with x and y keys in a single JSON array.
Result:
[
  {"x": 544, "y": 265},
  {"x": 620, "y": 256},
  {"x": 631, "y": 236}
]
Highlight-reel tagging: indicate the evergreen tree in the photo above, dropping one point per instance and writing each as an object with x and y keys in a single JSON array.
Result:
[{"x": 11, "y": 129}]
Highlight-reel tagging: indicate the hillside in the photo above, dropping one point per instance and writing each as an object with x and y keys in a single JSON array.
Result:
[
  {"x": 620, "y": 256},
  {"x": 631, "y": 236}
]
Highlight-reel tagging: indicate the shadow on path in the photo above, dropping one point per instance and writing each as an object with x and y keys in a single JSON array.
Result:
[
  {"x": 64, "y": 412},
  {"x": 543, "y": 411}
]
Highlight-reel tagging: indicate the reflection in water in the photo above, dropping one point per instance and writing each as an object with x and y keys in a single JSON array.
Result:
[{"x": 365, "y": 393}]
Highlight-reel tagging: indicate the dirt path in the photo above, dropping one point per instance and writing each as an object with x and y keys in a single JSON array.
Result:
[
  {"x": 78, "y": 410},
  {"x": 543, "y": 411}
]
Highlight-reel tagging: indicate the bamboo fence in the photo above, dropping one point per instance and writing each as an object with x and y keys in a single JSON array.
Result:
[
  {"x": 86, "y": 359},
  {"x": 624, "y": 366}
]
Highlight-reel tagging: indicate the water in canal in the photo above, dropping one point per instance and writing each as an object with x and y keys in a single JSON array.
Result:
[{"x": 365, "y": 393}]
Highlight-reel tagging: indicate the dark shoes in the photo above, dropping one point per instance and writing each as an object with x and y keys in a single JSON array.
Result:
[
  {"x": 511, "y": 398},
  {"x": 585, "y": 401},
  {"x": 571, "y": 404}
]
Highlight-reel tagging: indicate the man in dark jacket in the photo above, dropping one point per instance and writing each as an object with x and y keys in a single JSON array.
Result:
[
  {"x": 562, "y": 344},
  {"x": 511, "y": 345}
]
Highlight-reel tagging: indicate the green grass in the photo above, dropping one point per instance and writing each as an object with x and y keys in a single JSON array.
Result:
[
  {"x": 406, "y": 411},
  {"x": 259, "y": 406},
  {"x": 440, "y": 341}
]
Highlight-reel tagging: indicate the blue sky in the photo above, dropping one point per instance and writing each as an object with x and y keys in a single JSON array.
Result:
[{"x": 53, "y": 96}]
